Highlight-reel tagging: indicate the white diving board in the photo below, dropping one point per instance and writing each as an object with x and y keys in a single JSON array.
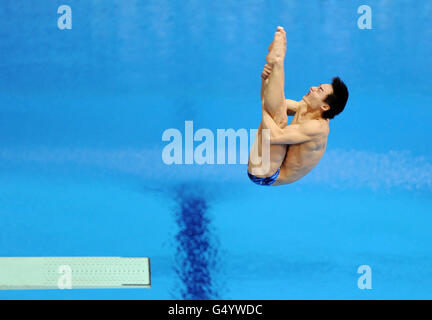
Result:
[{"x": 74, "y": 272}]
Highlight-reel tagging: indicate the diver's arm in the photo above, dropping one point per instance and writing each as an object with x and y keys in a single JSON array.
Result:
[
  {"x": 264, "y": 79},
  {"x": 292, "y": 134}
]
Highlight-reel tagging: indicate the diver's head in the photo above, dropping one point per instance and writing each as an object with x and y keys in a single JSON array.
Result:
[{"x": 329, "y": 99}]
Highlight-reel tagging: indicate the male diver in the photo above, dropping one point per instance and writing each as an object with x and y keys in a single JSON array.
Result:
[{"x": 294, "y": 149}]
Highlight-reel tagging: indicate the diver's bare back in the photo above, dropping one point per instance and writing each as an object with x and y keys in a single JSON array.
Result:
[{"x": 303, "y": 157}]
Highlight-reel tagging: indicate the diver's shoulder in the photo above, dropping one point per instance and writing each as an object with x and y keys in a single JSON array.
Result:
[{"x": 317, "y": 127}]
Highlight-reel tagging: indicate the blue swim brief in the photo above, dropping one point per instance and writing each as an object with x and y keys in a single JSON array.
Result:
[{"x": 267, "y": 181}]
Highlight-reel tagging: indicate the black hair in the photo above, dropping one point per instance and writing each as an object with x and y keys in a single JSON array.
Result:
[{"x": 336, "y": 100}]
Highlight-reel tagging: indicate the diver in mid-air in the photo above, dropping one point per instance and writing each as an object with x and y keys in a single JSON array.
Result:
[{"x": 294, "y": 149}]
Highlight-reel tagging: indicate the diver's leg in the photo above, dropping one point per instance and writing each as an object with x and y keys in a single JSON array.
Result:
[
  {"x": 273, "y": 97},
  {"x": 266, "y": 158},
  {"x": 273, "y": 102}
]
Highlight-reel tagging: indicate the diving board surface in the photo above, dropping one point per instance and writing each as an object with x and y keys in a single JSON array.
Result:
[{"x": 74, "y": 272}]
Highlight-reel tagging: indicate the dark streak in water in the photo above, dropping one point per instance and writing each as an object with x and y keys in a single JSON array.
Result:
[{"x": 195, "y": 249}]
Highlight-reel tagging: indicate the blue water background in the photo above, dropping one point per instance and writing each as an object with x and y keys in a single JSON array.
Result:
[{"x": 82, "y": 113}]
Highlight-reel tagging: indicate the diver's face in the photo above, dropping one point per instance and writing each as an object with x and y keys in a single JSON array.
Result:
[{"x": 316, "y": 96}]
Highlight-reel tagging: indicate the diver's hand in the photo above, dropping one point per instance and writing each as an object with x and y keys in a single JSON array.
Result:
[{"x": 266, "y": 72}]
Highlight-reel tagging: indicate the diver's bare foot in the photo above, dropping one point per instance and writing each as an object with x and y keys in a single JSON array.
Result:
[{"x": 277, "y": 48}]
